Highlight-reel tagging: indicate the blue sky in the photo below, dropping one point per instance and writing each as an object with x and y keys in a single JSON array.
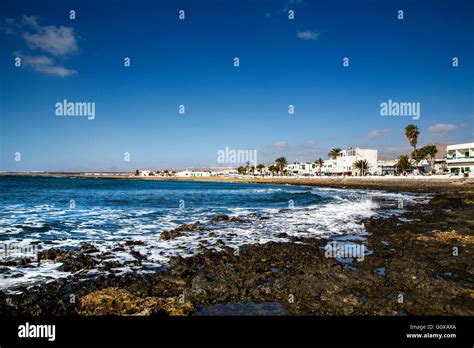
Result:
[{"x": 190, "y": 62}]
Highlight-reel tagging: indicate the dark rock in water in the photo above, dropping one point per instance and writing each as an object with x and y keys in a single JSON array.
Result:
[
  {"x": 26, "y": 261},
  {"x": 76, "y": 262},
  {"x": 88, "y": 248},
  {"x": 137, "y": 255},
  {"x": 134, "y": 242},
  {"x": 177, "y": 232},
  {"x": 50, "y": 254},
  {"x": 167, "y": 235},
  {"x": 108, "y": 265},
  {"x": 202, "y": 248},
  {"x": 259, "y": 216},
  {"x": 220, "y": 218},
  {"x": 72, "y": 261},
  {"x": 282, "y": 235},
  {"x": 8, "y": 263}
]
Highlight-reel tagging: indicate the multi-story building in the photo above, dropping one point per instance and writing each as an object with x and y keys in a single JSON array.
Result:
[
  {"x": 460, "y": 158},
  {"x": 345, "y": 162},
  {"x": 300, "y": 169},
  {"x": 329, "y": 167},
  {"x": 342, "y": 165}
]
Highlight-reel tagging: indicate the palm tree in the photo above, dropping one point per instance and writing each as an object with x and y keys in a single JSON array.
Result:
[
  {"x": 247, "y": 166},
  {"x": 412, "y": 132},
  {"x": 137, "y": 172},
  {"x": 273, "y": 169},
  {"x": 260, "y": 168},
  {"x": 403, "y": 163},
  {"x": 166, "y": 172},
  {"x": 335, "y": 153},
  {"x": 431, "y": 150},
  {"x": 252, "y": 170},
  {"x": 362, "y": 165},
  {"x": 242, "y": 170},
  {"x": 319, "y": 162},
  {"x": 281, "y": 163}
]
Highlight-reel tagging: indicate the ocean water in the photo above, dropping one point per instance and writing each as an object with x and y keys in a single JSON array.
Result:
[{"x": 40, "y": 213}]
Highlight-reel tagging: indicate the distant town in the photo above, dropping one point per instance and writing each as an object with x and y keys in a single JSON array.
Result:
[
  {"x": 456, "y": 159},
  {"x": 434, "y": 159}
]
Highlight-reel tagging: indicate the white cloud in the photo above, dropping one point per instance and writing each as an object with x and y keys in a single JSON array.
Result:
[
  {"x": 377, "y": 133},
  {"x": 441, "y": 128},
  {"x": 59, "y": 41},
  {"x": 307, "y": 35},
  {"x": 60, "y": 71},
  {"x": 45, "y": 65},
  {"x": 279, "y": 146},
  {"x": 31, "y": 21}
]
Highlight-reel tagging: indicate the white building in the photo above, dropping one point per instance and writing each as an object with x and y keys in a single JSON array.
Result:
[
  {"x": 385, "y": 167},
  {"x": 329, "y": 167},
  {"x": 300, "y": 169},
  {"x": 460, "y": 158},
  {"x": 144, "y": 172},
  {"x": 344, "y": 164}
]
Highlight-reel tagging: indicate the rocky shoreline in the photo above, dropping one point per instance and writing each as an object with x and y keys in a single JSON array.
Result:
[{"x": 420, "y": 264}]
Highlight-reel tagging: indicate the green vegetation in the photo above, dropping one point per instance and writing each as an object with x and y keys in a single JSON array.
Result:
[
  {"x": 335, "y": 153},
  {"x": 412, "y": 133},
  {"x": 362, "y": 166},
  {"x": 319, "y": 162},
  {"x": 281, "y": 163}
]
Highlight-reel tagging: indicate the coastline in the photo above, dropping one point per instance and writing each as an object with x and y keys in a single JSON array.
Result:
[
  {"x": 414, "y": 252},
  {"x": 416, "y": 184}
]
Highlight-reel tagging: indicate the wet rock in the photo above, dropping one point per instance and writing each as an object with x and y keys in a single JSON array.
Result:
[
  {"x": 167, "y": 235},
  {"x": 88, "y": 248},
  {"x": 8, "y": 263},
  {"x": 26, "y": 261},
  {"x": 108, "y": 265},
  {"x": 134, "y": 242},
  {"x": 51, "y": 254},
  {"x": 219, "y": 218},
  {"x": 137, "y": 255},
  {"x": 282, "y": 235},
  {"x": 75, "y": 262},
  {"x": 178, "y": 231}
]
